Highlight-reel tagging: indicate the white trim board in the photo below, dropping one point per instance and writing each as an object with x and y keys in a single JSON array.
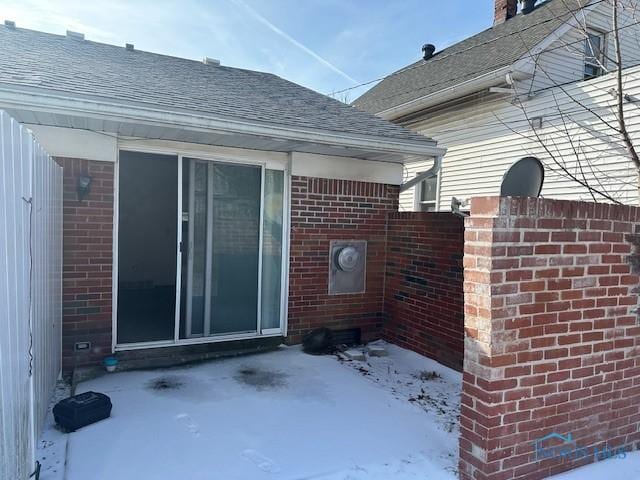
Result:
[
  {"x": 85, "y": 144},
  {"x": 75, "y": 143},
  {"x": 344, "y": 168},
  {"x": 271, "y": 160}
]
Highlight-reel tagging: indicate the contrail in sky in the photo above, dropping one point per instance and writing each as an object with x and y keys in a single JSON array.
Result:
[{"x": 291, "y": 40}]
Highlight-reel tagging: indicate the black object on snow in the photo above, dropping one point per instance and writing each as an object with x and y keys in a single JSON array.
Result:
[
  {"x": 318, "y": 341},
  {"x": 80, "y": 410}
]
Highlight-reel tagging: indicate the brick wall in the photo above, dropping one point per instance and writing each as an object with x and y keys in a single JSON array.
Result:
[
  {"x": 423, "y": 303},
  {"x": 87, "y": 261},
  {"x": 324, "y": 210},
  {"x": 552, "y": 338}
]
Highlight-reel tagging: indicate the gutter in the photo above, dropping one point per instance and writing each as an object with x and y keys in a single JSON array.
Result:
[
  {"x": 497, "y": 77},
  {"x": 46, "y": 101}
]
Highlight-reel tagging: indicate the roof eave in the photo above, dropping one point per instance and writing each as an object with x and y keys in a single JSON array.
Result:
[
  {"x": 55, "y": 102},
  {"x": 485, "y": 81}
]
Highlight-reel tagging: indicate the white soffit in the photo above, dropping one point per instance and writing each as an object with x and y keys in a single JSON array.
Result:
[{"x": 75, "y": 143}]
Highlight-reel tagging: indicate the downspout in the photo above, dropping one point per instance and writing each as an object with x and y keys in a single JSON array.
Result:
[{"x": 432, "y": 172}]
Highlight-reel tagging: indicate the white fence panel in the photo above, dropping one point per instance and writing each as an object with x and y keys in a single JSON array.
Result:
[
  {"x": 30, "y": 293},
  {"x": 47, "y": 280}
]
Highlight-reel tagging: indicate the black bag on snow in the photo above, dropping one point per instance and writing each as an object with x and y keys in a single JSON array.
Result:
[{"x": 80, "y": 410}]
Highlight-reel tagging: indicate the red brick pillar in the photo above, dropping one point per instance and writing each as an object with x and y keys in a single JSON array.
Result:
[{"x": 552, "y": 341}]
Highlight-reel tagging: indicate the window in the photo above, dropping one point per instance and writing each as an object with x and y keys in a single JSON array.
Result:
[
  {"x": 427, "y": 195},
  {"x": 594, "y": 46}
]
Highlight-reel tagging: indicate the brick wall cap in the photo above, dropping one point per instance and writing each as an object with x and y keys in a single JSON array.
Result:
[{"x": 495, "y": 206}]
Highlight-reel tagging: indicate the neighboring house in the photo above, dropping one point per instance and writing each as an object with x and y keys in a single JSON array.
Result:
[
  {"x": 200, "y": 200},
  {"x": 532, "y": 85}
]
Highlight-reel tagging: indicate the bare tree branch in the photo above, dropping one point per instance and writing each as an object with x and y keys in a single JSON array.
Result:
[
  {"x": 620, "y": 93},
  {"x": 577, "y": 165}
]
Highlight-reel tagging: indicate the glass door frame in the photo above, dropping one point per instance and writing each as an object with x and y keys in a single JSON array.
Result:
[
  {"x": 206, "y": 327},
  {"x": 204, "y": 155}
]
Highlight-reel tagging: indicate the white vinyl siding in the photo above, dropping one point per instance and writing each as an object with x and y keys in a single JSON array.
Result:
[
  {"x": 484, "y": 136},
  {"x": 563, "y": 61},
  {"x": 482, "y": 146}
]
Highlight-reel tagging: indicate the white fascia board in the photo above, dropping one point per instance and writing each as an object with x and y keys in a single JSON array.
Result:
[
  {"x": 477, "y": 84},
  {"x": 74, "y": 143},
  {"x": 344, "y": 168},
  {"x": 53, "y": 102}
]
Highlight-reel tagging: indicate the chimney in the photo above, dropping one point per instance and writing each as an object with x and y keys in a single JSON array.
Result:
[{"x": 504, "y": 10}]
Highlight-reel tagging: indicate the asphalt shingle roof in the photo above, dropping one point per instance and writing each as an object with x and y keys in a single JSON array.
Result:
[
  {"x": 88, "y": 69},
  {"x": 485, "y": 52}
]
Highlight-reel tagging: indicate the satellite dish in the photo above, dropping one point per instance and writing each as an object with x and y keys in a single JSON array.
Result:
[{"x": 523, "y": 179}]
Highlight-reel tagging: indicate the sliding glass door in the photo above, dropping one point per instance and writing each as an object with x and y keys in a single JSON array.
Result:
[
  {"x": 200, "y": 250},
  {"x": 231, "y": 248}
]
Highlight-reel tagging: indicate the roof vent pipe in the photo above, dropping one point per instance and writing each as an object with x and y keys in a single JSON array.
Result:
[
  {"x": 75, "y": 35},
  {"x": 129, "y": 47},
  {"x": 528, "y": 6},
  {"x": 427, "y": 51},
  {"x": 210, "y": 61},
  {"x": 10, "y": 24}
]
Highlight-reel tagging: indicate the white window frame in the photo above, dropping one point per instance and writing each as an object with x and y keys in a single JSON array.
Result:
[
  {"x": 418, "y": 194},
  {"x": 243, "y": 157},
  {"x": 603, "y": 49}
]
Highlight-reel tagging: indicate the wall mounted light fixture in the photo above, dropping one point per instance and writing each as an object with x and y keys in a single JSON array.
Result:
[{"x": 84, "y": 186}]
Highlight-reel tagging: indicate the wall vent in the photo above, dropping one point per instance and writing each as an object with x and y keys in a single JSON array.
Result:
[{"x": 349, "y": 337}]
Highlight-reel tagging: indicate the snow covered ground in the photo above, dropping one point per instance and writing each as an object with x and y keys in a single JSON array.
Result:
[
  {"x": 627, "y": 468},
  {"x": 280, "y": 415},
  {"x": 51, "y": 449}
]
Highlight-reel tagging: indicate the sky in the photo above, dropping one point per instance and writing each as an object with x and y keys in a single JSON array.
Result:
[{"x": 326, "y": 45}]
